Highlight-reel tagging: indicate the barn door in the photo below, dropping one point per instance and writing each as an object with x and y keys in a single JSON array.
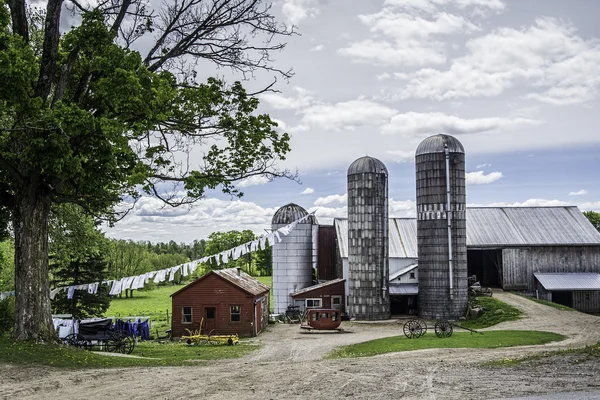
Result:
[
  {"x": 210, "y": 317},
  {"x": 258, "y": 316}
]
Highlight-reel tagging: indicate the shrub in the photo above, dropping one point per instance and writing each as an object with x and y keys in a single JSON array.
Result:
[{"x": 7, "y": 315}]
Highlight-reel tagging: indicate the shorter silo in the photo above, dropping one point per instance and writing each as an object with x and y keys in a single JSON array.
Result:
[
  {"x": 368, "y": 270},
  {"x": 293, "y": 256}
]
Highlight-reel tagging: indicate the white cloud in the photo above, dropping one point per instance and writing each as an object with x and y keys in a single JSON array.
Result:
[
  {"x": 308, "y": 191},
  {"x": 318, "y": 47},
  {"x": 346, "y": 114},
  {"x": 402, "y": 155},
  {"x": 432, "y": 5},
  {"x": 301, "y": 99},
  {"x": 296, "y": 11},
  {"x": 579, "y": 193},
  {"x": 413, "y": 123},
  {"x": 479, "y": 178},
  {"x": 547, "y": 59},
  {"x": 480, "y": 166},
  {"x": 253, "y": 181},
  {"x": 332, "y": 199},
  {"x": 383, "y": 77},
  {"x": 402, "y": 208},
  {"x": 595, "y": 206}
]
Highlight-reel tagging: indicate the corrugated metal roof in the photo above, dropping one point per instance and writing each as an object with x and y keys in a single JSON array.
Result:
[
  {"x": 495, "y": 227},
  {"x": 243, "y": 280},
  {"x": 403, "y": 271},
  {"x": 367, "y": 164},
  {"x": 529, "y": 226},
  {"x": 404, "y": 288},
  {"x": 436, "y": 143},
  {"x": 317, "y": 286},
  {"x": 569, "y": 281}
]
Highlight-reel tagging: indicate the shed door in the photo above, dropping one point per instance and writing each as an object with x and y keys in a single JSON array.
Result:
[
  {"x": 258, "y": 316},
  {"x": 210, "y": 316}
]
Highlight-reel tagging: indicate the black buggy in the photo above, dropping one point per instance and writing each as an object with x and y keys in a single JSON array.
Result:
[{"x": 100, "y": 335}]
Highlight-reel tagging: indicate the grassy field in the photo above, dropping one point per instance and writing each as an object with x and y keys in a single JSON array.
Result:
[
  {"x": 489, "y": 340},
  {"x": 147, "y": 354},
  {"x": 548, "y": 303},
  {"x": 155, "y": 304},
  {"x": 494, "y": 313}
]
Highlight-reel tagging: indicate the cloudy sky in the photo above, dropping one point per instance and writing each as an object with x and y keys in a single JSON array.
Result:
[{"x": 516, "y": 81}]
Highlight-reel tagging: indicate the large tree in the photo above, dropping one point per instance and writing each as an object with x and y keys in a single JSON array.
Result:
[
  {"x": 86, "y": 119},
  {"x": 594, "y": 218}
]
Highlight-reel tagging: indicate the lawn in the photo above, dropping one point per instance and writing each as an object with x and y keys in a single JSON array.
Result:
[
  {"x": 495, "y": 312},
  {"x": 489, "y": 340},
  {"x": 156, "y": 304},
  {"x": 148, "y": 354}
]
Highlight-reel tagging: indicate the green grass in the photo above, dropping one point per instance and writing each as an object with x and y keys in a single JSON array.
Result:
[
  {"x": 268, "y": 280},
  {"x": 548, "y": 303},
  {"x": 150, "y": 354},
  {"x": 495, "y": 312},
  {"x": 489, "y": 340}
]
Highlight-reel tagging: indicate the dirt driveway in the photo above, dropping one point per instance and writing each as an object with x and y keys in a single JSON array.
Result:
[{"x": 289, "y": 366}]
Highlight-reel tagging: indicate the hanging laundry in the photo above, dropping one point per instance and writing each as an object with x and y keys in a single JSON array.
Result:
[
  {"x": 116, "y": 288},
  {"x": 277, "y": 236},
  {"x": 173, "y": 271},
  {"x": 70, "y": 292},
  {"x": 184, "y": 270},
  {"x": 263, "y": 241},
  {"x": 225, "y": 256}
]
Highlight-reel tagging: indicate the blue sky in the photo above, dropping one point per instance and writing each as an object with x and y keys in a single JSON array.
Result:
[{"x": 517, "y": 82}]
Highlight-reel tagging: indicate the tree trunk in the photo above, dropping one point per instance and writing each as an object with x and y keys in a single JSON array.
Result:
[{"x": 33, "y": 319}]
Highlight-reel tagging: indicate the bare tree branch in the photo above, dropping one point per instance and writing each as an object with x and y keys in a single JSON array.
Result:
[
  {"x": 19, "y": 18},
  {"x": 50, "y": 48}
]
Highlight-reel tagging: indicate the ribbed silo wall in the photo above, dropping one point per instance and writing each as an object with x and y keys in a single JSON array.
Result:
[
  {"x": 432, "y": 235},
  {"x": 368, "y": 270},
  {"x": 292, "y": 264}
]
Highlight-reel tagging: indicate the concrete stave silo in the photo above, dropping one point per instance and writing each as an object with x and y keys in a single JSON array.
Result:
[
  {"x": 368, "y": 268},
  {"x": 441, "y": 236},
  {"x": 293, "y": 256}
]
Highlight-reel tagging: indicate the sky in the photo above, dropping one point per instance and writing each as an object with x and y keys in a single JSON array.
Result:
[{"x": 516, "y": 81}]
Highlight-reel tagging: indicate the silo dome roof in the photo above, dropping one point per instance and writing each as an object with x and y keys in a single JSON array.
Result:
[
  {"x": 436, "y": 144},
  {"x": 367, "y": 164},
  {"x": 290, "y": 213}
]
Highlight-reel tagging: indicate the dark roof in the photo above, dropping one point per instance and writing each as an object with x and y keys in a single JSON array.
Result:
[
  {"x": 236, "y": 277},
  {"x": 317, "y": 286},
  {"x": 290, "y": 213},
  {"x": 367, "y": 164},
  {"x": 437, "y": 144},
  {"x": 569, "y": 281}
]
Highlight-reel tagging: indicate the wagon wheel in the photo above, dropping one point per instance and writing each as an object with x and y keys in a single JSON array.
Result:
[
  {"x": 77, "y": 340},
  {"x": 423, "y": 326},
  {"x": 120, "y": 342},
  {"x": 443, "y": 329},
  {"x": 212, "y": 340},
  {"x": 412, "y": 329}
]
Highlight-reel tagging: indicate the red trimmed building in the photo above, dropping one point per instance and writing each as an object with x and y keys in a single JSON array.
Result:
[{"x": 226, "y": 301}]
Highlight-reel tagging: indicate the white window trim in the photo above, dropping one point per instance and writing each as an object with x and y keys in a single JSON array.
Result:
[
  {"x": 336, "y": 305},
  {"x": 239, "y": 313},
  {"x": 313, "y": 300},
  {"x": 191, "y": 315}
]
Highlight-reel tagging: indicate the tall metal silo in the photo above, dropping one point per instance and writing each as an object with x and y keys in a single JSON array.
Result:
[
  {"x": 441, "y": 227},
  {"x": 368, "y": 269},
  {"x": 293, "y": 256}
]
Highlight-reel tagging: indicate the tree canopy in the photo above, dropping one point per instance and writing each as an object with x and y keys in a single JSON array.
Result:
[
  {"x": 594, "y": 218},
  {"x": 85, "y": 118}
]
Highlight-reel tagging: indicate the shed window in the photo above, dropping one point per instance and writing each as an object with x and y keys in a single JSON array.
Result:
[
  {"x": 186, "y": 315},
  {"x": 336, "y": 301},
  {"x": 412, "y": 275},
  {"x": 313, "y": 303},
  {"x": 235, "y": 313}
]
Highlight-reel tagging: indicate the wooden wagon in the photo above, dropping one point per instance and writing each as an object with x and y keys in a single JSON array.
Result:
[{"x": 322, "y": 319}]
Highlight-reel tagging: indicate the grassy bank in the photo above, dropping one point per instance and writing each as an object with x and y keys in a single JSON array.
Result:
[
  {"x": 548, "y": 303},
  {"x": 147, "y": 354},
  {"x": 489, "y": 340},
  {"x": 495, "y": 312}
]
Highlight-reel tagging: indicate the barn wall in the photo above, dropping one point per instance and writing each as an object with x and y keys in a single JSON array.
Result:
[
  {"x": 519, "y": 264},
  {"x": 213, "y": 291},
  {"x": 587, "y": 301}
]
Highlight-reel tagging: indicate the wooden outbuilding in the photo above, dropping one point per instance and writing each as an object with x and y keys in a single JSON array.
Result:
[
  {"x": 329, "y": 294},
  {"x": 227, "y": 301}
]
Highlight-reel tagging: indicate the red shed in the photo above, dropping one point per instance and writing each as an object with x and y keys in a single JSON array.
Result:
[
  {"x": 329, "y": 294},
  {"x": 229, "y": 301}
]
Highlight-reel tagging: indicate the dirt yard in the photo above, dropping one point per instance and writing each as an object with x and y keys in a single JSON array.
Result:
[{"x": 289, "y": 366}]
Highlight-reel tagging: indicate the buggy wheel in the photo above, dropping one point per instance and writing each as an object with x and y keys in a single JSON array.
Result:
[
  {"x": 77, "y": 340},
  {"x": 423, "y": 326},
  {"x": 412, "y": 329},
  {"x": 120, "y": 342},
  {"x": 443, "y": 329}
]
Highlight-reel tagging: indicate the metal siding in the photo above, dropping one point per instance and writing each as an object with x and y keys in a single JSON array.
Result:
[
  {"x": 587, "y": 301},
  {"x": 436, "y": 144}
]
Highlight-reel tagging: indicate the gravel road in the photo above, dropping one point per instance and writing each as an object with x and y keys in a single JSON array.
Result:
[{"x": 289, "y": 365}]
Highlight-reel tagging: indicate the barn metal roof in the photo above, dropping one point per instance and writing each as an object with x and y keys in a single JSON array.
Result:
[
  {"x": 569, "y": 281},
  {"x": 242, "y": 280},
  {"x": 404, "y": 288},
  {"x": 437, "y": 143},
  {"x": 290, "y": 213},
  {"x": 317, "y": 286},
  {"x": 495, "y": 227}
]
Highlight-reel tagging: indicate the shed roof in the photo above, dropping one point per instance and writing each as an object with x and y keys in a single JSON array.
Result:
[
  {"x": 569, "y": 281},
  {"x": 495, "y": 227},
  {"x": 236, "y": 277},
  {"x": 404, "y": 288},
  {"x": 317, "y": 286}
]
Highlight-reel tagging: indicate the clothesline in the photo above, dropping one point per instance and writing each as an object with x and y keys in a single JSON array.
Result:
[{"x": 138, "y": 281}]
